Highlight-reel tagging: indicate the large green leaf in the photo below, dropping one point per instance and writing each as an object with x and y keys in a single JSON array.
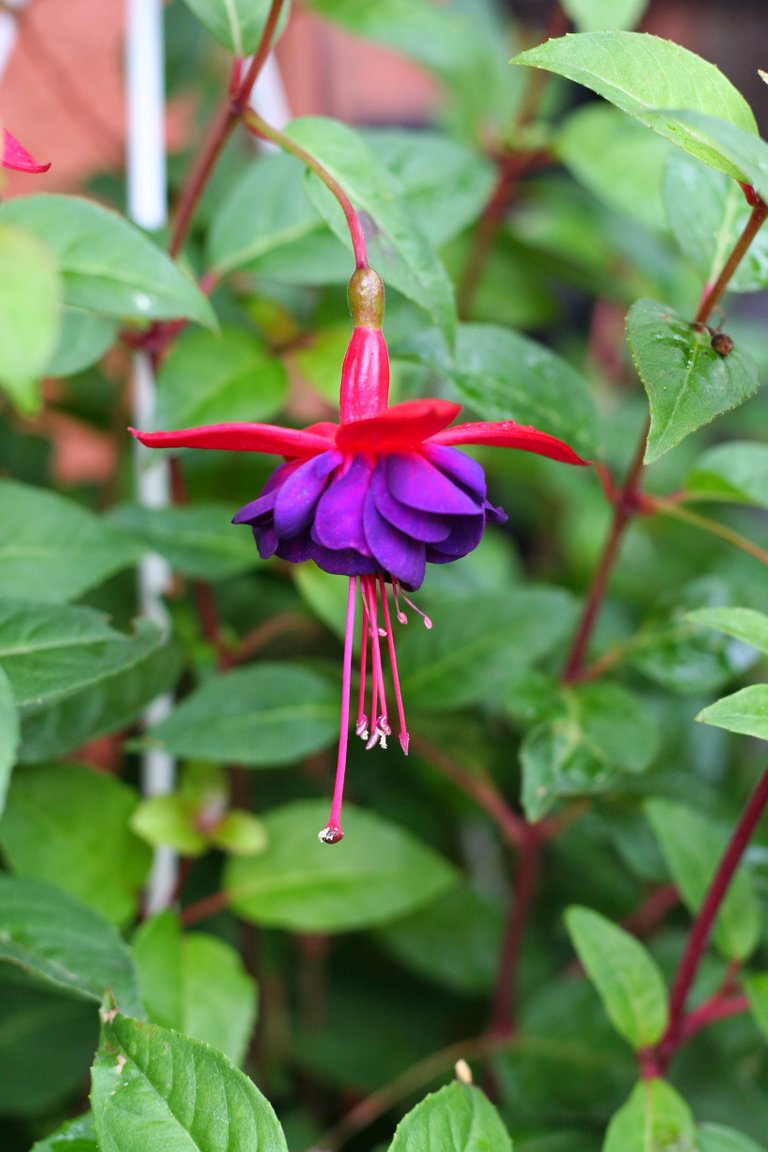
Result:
[
  {"x": 629, "y": 983},
  {"x": 599, "y": 15},
  {"x": 398, "y": 249},
  {"x": 83, "y": 339},
  {"x": 502, "y": 375},
  {"x": 9, "y": 734},
  {"x": 745, "y": 712},
  {"x": 30, "y": 298},
  {"x": 735, "y": 471},
  {"x": 742, "y": 154},
  {"x": 210, "y": 378},
  {"x": 458, "y": 1118},
  {"x": 195, "y": 984},
  {"x": 692, "y": 845},
  {"x": 744, "y": 624},
  {"x": 707, "y": 236},
  {"x": 688, "y": 383},
  {"x": 378, "y": 872},
  {"x": 58, "y": 940},
  {"x": 51, "y": 549},
  {"x": 127, "y": 673},
  {"x": 654, "y": 1119},
  {"x": 263, "y": 716},
  {"x": 196, "y": 539},
  {"x": 108, "y": 266},
  {"x": 600, "y": 734},
  {"x": 237, "y": 24},
  {"x": 640, "y": 74},
  {"x": 73, "y": 1136},
  {"x": 154, "y": 1090},
  {"x": 56, "y": 825}
]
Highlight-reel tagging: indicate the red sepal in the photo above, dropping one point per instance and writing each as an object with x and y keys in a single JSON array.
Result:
[
  {"x": 403, "y": 425},
  {"x": 13, "y": 155},
  {"x": 291, "y": 442},
  {"x": 507, "y": 434}
]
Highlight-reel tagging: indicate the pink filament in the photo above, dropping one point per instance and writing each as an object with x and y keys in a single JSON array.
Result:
[
  {"x": 332, "y": 833},
  {"x": 403, "y": 734}
]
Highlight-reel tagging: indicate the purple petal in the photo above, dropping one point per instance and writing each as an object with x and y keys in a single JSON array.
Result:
[
  {"x": 417, "y": 483},
  {"x": 495, "y": 514},
  {"x": 339, "y": 516},
  {"x": 266, "y": 538},
  {"x": 344, "y": 562},
  {"x": 466, "y": 534},
  {"x": 298, "y": 496},
  {"x": 265, "y": 501},
  {"x": 398, "y": 554},
  {"x": 425, "y": 526},
  {"x": 463, "y": 470}
]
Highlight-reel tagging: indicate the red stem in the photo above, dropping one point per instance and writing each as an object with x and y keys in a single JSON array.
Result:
[
  {"x": 716, "y": 1008},
  {"x": 703, "y": 924},
  {"x": 505, "y": 999},
  {"x": 204, "y": 908},
  {"x": 712, "y": 295}
]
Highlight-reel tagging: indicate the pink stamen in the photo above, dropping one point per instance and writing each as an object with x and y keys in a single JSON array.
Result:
[
  {"x": 410, "y": 603},
  {"x": 379, "y": 709},
  {"x": 403, "y": 736},
  {"x": 332, "y": 832},
  {"x": 361, "y": 728}
]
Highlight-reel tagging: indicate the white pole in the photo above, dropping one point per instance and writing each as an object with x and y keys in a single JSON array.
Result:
[
  {"x": 146, "y": 195},
  {"x": 9, "y": 34}
]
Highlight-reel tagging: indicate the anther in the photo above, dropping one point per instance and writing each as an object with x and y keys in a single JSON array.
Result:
[{"x": 361, "y": 728}]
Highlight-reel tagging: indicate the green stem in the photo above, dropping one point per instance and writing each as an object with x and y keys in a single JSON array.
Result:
[{"x": 678, "y": 512}]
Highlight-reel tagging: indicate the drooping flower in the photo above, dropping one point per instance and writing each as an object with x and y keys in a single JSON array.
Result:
[
  {"x": 14, "y": 155},
  {"x": 375, "y": 497}
]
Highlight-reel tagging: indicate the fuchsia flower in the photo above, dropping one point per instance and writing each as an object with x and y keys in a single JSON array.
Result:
[
  {"x": 375, "y": 497},
  {"x": 13, "y": 155}
]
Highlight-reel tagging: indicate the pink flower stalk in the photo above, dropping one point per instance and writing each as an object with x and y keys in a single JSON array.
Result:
[
  {"x": 375, "y": 497},
  {"x": 13, "y": 155}
]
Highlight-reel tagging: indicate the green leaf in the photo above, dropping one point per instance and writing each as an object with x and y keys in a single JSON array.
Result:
[
  {"x": 30, "y": 298},
  {"x": 398, "y": 249},
  {"x": 630, "y": 984},
  {"x": 378, "y": 872},
  {"x": 756, "y": 988},
  {"x": 687, "y": 382},
  {"x": 740, "y": 153},
  {"x": 602, "y": 733},
  {"x": 210, "y": 378},
  {"x": 458, "y": 1118},
  {"x": 58, "y": 940},
  {"x": 744, "y": 624},
  {"x": 654, "y": 1119},
  {"x": 240, "y": 833},
  {"x": 745, "y": 711},
  {"x": 83, "y": 339},
  {"x": 505, "y": 376},
  {"x": 9, "y": 735},
  {"x": 264, "y": 716},
  {"x": 49, "y": 832},
  {"x": 620, "y": 162},
  {"x": 719, "y": 1138},
  {"x": 195, "y": 984},
  {"x": 640, "y": 74},
  {"x": 108, "y": 266},
  {"x": 707, "y": 236},
  {"x": 128, "y": 673},
  {"x": 73, "y": 1136},
  {"x": 692, "y": 845},
  {"x": 51, "y": 549},
  {"x": 237, "y": 24},
  {"x": 198, "y": 540},
  {"x": 156, "y": 1091},
  {"x": 735, "y": 471},
  {"x": 597, "y": 15},
  {"x": 170, "y": 820}
]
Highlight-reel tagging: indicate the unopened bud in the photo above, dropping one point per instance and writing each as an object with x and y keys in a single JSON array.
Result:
[{"x": 366, "y": 298}]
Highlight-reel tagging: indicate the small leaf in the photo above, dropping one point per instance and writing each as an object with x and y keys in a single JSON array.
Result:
[
  {"x": 458, "y": 1118},
  {"x": 170, "y": 821},
  {"x": 237, "y": 24},
  {"x": 264, "y": 716},
  {"x": 378, "y": 872},
  {"x": 601, "y": 733},
  {"x": 195, "y": 984},
  {"x": 629, "y": 983},
  {"x": 107, "y": 265},
  {"x": 157, "y": 1091},
  {"x": 756, "y": 988},
  {"x": 744, "y": 624},
  {"x": 240, "y": 833},
  {"x": 58, "y": 819},
  {"x": 719, "y": 1138},
  {"x": 745, "y": 711},
  {"x": 740, "y": 153},
  {"x": 210, "y": 378},
  {"x": 687, "y": 382},
  {"x": 73, "y": 1136},
  {"x": 735, "y": 471},
  {"x": 9, "y": 735},
  {"x": 640, "y": 74},
  {"x": 83, "y": 339},
  {"x": 51, "y": 549},
  {"x": 197, "y": 540},
  {"x": 30, "y": 298},
  {"x": 60, "y": 941},
  {"x": 397, "y": 248},
  {"x": 654, "y": 1119},
  {"x": 597, "y": 15},
  {"x": 692, "y": 845}
]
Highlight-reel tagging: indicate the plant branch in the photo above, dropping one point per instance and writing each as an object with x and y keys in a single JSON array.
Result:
[
  {"x": 704, "y": 922},
  {"x": 505, "y": 998},
  {"x": 204, "y": 908},
  {"x": 219, "y": 132},
  {"x": 712, "y": 1010},
  {"x": 677, "y": 512},
  {"x": 713, "y": 293}
]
